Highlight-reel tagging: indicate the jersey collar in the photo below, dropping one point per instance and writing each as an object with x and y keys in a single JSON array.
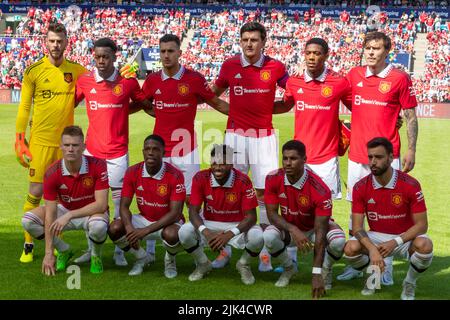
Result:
[
  {"x": 228, "y": 184},
  {"x": 300, "y": 183},
  {"x": 98, "y": 77},
  {"x": 177, "y": 76},
  {"x": 391, "y": 184},
  {"x": 158, "y": 176},
  {"x": 383, "y": 74},
  {"x": 83, "y": 169},
  {"x": 258, "y": 63},
  {"x": 320, "y": 78}
]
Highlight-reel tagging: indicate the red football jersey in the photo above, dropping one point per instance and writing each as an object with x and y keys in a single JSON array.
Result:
[
  {"x": 107, "y": 104},
  {"x": 75, "y": 192},
  {"x": 389, "y": 209},
  {"x": 252, "y": 93},
  {"x": 153, "y": 194},
  {"x": 227, "y": 203},
  {"x": 376, "y": 104},
  {"x": 175, "y": 103},
  {"x": 317, "y": 113},
  {"x": 301, "y": 202}
]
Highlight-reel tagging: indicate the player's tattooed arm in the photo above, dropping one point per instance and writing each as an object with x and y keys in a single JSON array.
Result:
[
  {"x": 412, "y": 129},
  {"x": 248, "y": 222},
  {"x": 360, "y": 234}
]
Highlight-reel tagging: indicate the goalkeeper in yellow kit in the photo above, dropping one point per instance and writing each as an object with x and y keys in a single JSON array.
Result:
[{"x": 48, "y": 84}]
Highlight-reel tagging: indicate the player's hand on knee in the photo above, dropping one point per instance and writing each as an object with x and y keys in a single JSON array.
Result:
[
  {"x": 317, "y": 286},
  {"x": 23, "y": 154}
]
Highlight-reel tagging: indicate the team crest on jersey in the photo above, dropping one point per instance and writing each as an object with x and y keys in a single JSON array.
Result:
[
  {"x": 230, "y": 197},
  {"x": 32, "y": 172},
  {"x": 161, "y": 189},
  {"x": 118, "y": 90},
  {"x": 183, "y": 89},
  {"x": 87, "y": 182},
  {"x": 264, "y": 75},
  {"x": 384, "y": 86},
  {"x": 68, "y": 77},
  {"x": 397, "y": 199},
  {"x": 326, "y": 91},
  {"x": 303, "y": 200}
]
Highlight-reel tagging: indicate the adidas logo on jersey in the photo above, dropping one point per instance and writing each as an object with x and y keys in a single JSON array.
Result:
[
  {"x": 140, "y": 188},
  {"x": 158, "y": 91},
  {"x": 282, "y": 195},
  {"x": 63, "y": 187},
  {"x": 300, "y": 90},
  {"x": 93, "y": 90},
  {"x": 360, "y": 84},
  {"x": 238, "y": 76},
  {"x": 209, "y": 197},
  {"x": 371, "y": 201}
]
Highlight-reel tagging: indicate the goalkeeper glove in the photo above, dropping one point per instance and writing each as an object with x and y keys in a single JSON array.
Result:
[
  {"x": 129, "y": 70},
  {"x": 23, "y": 154}
]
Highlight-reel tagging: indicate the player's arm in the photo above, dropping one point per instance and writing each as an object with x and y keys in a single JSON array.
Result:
[
  {"x": 278, "y": 221},
  {"x": 320, "y": 229},
  {"x": 217, "y": 90},
  {"x": 48, "y": 263},
  {"x": 420, "y": 227},
  {"x": 361, "y": 234},
  {"x": 174, "y": 214},
  {"x": 220, "y": 241},
  {"x": 282, "y": 106},
  {"x": 100, "y": 205},
  {"x": 412, "y": 130},
  {"x": 219, "y": 104},
  {"x": 23, "y": 154}
]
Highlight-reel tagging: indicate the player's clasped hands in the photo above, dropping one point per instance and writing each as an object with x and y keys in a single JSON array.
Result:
[
  {"x": 386, "y": 248},
  {"x": 58, "y": 225},
  {"x": 220, "y": 240},
  {"x": 377, "y": 259},
  {"x": 135, "y": 235}
]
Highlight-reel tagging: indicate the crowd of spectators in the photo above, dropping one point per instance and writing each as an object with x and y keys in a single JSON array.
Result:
[{"x": 216, "y": 37}]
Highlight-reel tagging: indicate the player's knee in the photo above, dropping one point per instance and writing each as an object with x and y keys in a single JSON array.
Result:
[
  {"x": 271, "y": 238},
  {"x": 186, "y": 234},
  {"x": 33, "y": 225},
  {"x": 352, "y": 248},
  {"x": 97, "y": 230},
  {"x": 255, "y": 239},
  {"x": 116, "y": 230},
  {"x": 170, "y": 234},
  {"x": 336, "y": 243},
  {"x": 423, "y": 245}
]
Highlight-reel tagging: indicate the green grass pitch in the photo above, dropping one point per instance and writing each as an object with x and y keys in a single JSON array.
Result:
[{"x": 25, "y": 281}]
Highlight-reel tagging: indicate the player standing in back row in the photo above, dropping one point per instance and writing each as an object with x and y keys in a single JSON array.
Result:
[{"x": 252, "y": 79}]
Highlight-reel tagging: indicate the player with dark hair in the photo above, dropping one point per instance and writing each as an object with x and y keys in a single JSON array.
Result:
[
  {"x": 76, "y": 197},
  {"x": 107, "y": 95},
  {"x": 228, "y": 216},
  {"x": 378, "y": 93},
  {"x": 394, "y": 205},
  {"x": 160, "y": 194},
  {"x": 48, "y": 85},
  {"x": 252, "y": 79},
  {"x": 299, "y": 207}
]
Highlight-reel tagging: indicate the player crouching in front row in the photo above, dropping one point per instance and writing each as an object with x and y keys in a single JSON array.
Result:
[
  {"x": 80, "y": 185},
  {"x": 397, "y": 216},
  {"x": 305, "y": 220},
  {"x": 160, "y": 195},
  {"x": 229, "y": 215}
]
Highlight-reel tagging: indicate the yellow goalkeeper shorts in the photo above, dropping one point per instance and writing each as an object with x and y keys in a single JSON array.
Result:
[{"x": 43, "y": 157}]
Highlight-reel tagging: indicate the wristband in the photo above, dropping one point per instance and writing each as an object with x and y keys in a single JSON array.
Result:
[
  {"x": 235, "y": 231},
  {"x": 316, "y": 270},
  {"x": 399, "y": 240},
  {"x": 201, "y": 228}
]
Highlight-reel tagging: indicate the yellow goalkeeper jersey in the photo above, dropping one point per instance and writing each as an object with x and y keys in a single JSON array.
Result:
[{"x": 51, "y": 90}]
